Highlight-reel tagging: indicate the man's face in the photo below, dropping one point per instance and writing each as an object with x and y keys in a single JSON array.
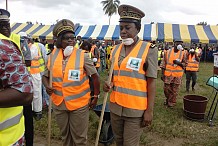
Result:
[
  {"x": 177, "y": 43},
  {"x": 128, "y": 30},
  {"x": 5, "y": 28},
  {"x": 68, "y": 39}
]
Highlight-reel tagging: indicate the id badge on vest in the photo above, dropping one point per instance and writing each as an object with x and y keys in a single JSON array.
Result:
[
  {"x": 134, "y": 63},
  {"x": 74, "y": 75}
]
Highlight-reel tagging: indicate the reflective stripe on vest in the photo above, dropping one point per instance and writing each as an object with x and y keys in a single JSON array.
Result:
[
  {"x": 130, "y": 91},
  {"x": 192, "y": 65},
  {"x": 76, "y": 94},
  {"x": 130, "y": 86},
  {"x": 171, "y": 68},
  {"x": 11, "y": 125},
  {"x": 10, "y": 122},
  {"x": 40, "y": 59}
]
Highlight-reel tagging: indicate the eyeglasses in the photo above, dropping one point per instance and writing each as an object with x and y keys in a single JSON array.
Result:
[{"x": 66, "y": 37}]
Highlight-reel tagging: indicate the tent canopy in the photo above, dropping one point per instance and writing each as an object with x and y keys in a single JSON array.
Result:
[
  {"x": 112, "y": 32},
  {"x": 100, "y": 32},
  {"x": 149, "y": 32},
  {"x": 187, "y": 33},
  {"x": 35, "y": 30}
]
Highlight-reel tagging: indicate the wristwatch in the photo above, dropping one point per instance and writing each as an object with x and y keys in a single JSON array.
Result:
[{"x": 96, "y": 96}]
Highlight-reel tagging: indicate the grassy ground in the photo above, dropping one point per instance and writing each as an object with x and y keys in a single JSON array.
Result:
[{"x": 170, "y": 127}]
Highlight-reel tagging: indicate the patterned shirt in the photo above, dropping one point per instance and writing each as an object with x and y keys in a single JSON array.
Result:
[{"x": 13, "y": 71}]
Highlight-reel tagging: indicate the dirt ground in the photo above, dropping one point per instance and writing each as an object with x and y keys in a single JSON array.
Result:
[{"x": 154, "y": 138}]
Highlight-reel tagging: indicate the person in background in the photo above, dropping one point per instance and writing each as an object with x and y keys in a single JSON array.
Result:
[
  {"x": 95, "y": 54},
  {"x": 172, "y": 72},
  {"x": 198, "y": 49},
  {"x": 102, "y": 53},
  {"x": 43, "y": 41},
  {"x": 108, "y": 54},
  {"x": 79, "y": 42},
  {"x": 70, "y": 91},
  {"x": 134, "y": 80},
  {"x": 27, "y": 110},
  {"x": 160, "y": 54},
  {"x": 43, "y": 61},
  {"x": 15, "y": 87},
  {"x": 192, "y": 67},
  {"x": 35, "y": 70},
  {"x": 24, "y": 48}
]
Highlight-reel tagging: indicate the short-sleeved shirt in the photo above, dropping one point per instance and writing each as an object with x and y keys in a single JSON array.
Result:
[
  {"x": 151, "y": 72},
  {"x": 13, "y": 71}
]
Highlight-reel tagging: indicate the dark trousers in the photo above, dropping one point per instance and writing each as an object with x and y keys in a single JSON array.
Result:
[
  {"x": 28, "y": 118},
  {"x": 190, "y": 75}
]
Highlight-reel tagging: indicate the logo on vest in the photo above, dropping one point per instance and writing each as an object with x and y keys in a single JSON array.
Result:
[
  {"x": 74, "y": 75},
  {"x": 134, "y": 63}
]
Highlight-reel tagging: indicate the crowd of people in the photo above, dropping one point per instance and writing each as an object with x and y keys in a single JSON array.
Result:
[{"x": 27, "y": 68}]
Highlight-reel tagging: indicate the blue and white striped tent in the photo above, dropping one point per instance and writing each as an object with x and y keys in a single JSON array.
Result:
[
  {"x": 101, "y": 32},
  {"x": 187, "y": 33},
  {"x": 112, "y": 32},
  {"x": 161, "y": 32}
]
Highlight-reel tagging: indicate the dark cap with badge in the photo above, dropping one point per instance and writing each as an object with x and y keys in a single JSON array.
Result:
[
  {"x": 62, "y": 26},
  {"x": 130, "y": 14},
  {"x": 4, "y": 15}
]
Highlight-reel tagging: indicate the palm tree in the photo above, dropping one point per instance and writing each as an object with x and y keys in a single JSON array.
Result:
[{"x": 110, "y": 7}]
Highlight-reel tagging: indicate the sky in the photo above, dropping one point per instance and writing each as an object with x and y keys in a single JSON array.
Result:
[{"x": 90, "y": 12}]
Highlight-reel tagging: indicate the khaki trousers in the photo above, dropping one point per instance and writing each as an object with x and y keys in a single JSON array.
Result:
[
  {"x": 73, "y": 126},
  {"x": 127, "y": 131}
]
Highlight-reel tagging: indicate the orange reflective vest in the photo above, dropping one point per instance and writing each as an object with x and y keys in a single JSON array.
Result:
[
  {"x": 192, "y": 65},
  {"x": 130, "y": 85},
  {"x": 171, "y": 68},
  {"x": 35, "y": 64},
  {"x": 72, "y": 86},
  {"x": 92, "y": 51}
]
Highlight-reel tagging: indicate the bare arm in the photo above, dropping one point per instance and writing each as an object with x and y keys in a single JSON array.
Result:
[
  {"x": 45, "y": 81},
  {"x": 151, "y": 90},
  {"x": 96, "y": 83},
  {"x": 11, "y": 97}
]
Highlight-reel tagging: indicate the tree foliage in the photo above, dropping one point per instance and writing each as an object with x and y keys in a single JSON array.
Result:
[
  {"x": 110, "y": 7},
  {"x": 202, "y": 23}
]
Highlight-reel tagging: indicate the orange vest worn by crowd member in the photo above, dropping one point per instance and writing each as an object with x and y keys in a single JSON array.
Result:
[
  {"x": 35, "y": 64},
  {"x": 93, "y": 56},
  {"x": 72, "y": 86},
  {"x": 130, "y": 85},
  {"x": 192, "y": 65},
  {"x": 171, "y": 68}
]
